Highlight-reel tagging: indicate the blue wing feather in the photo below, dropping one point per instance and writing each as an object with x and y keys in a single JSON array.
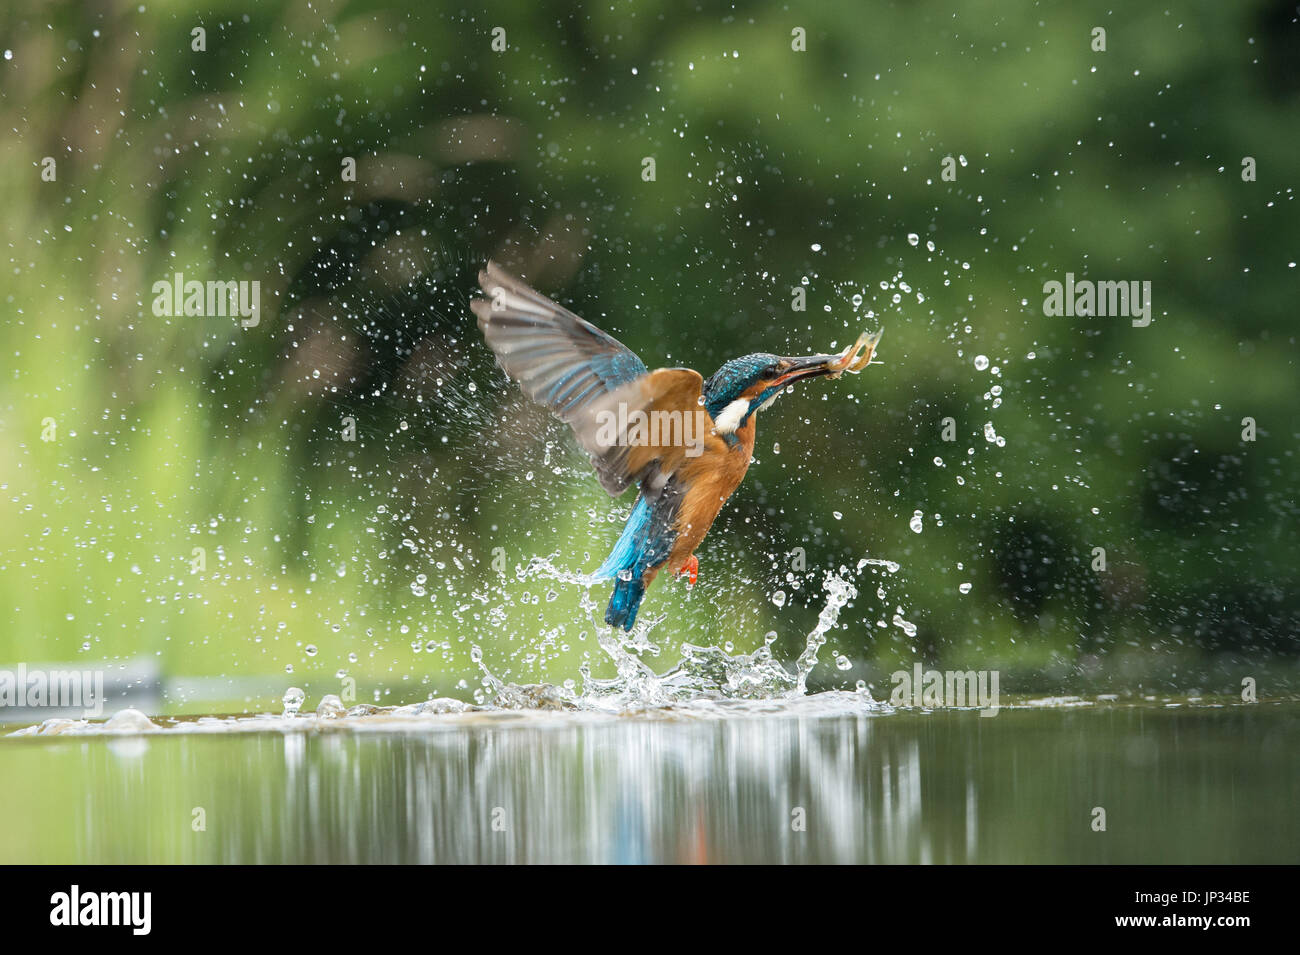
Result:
[
  {"x": 545, "y": 347},
  {"x": 562, "y": 362}
]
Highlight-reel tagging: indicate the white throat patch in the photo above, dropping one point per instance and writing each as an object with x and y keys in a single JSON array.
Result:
[{"x": 729, "y": 420}]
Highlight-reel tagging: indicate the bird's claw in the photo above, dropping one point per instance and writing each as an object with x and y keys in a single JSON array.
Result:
[{"x": 691, "y": 569}]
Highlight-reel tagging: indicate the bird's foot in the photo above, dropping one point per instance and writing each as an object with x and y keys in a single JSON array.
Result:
[{"x": 691, "y": 569}]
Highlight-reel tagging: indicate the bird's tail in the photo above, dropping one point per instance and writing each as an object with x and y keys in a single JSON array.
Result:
[
  {"x": 645, "y": 542},
  {"x": 631, "y": 543},
  {"x": 624, "y": 562},
  {"x": 625, "y": 602}
]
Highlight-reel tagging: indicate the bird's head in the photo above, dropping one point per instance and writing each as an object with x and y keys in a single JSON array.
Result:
[{"x": 748, "y": 384}]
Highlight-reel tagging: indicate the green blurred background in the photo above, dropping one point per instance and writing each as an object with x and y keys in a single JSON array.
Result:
[{"x": 329, "y": 559}]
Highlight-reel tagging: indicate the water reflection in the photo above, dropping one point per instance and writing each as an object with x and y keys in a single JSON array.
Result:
[{"x": 1178, "y": 785}]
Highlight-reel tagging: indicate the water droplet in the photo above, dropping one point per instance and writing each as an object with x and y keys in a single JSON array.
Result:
[
  {"x": 292, "y": 700},
  {"x": 913, "y": 238},
  {"x": 778, "y": 598},
  {"x": 981, "y": 362},
  {"x": 915, "y": 523},
  {"x": 330, "y": 708},
  {"x": 965, "y": 588},
  {"x": 906, "y": 626}
]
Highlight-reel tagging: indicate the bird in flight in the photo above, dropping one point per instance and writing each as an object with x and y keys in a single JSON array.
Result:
[{"x": 683, "y": 441}]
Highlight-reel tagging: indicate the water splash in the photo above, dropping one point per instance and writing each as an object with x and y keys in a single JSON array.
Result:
[
  {"x": 702, "y": 673},
  {"x": 705, "y": 682},
  {"x": 545, "y": 567},
  {"x": 839, "y": 591}
]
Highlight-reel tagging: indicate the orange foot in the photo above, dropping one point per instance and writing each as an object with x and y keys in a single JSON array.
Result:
[{"x": 691, "y": 569}]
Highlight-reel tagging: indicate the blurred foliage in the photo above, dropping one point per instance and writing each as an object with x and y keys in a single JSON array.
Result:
[{"x": 775, "y": 169}]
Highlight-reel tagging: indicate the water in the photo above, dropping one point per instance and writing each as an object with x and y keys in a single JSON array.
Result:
[
  {"x": 720, "y": 757},
  {"x": 823, "y": 778}
]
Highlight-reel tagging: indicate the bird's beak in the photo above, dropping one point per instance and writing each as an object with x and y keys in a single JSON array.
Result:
[
  {"x": 800, "y": 369},
  {"x": 853, "y": 359}
]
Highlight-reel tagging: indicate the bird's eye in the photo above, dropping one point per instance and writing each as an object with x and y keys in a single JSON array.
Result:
[{"x": 771, "y": 371}]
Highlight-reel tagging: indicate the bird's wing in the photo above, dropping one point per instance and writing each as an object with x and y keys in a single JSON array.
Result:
[
  {"x": 643, "y": 431},
  {"x": 562, "y": 362},
  {"x": 559, "y": 360}
]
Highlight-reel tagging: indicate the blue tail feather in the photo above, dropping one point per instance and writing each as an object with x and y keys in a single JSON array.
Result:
[
  {"x": 625, "y": 603},
  {"x": 624, "y": 562},
  {"x": 646, "y": 540}
]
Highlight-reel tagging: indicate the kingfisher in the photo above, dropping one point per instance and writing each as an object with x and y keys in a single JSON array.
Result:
[{"x": 684, "y": 442}]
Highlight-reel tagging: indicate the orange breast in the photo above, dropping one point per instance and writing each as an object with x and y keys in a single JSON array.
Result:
[{"x": 709, "y": 479}]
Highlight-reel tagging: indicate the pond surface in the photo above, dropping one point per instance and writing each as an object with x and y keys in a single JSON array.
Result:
[{"x": 1189, "y": 783}]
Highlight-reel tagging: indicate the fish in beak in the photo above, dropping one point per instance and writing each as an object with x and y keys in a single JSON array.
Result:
[{"x": 853, "y": 359}]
